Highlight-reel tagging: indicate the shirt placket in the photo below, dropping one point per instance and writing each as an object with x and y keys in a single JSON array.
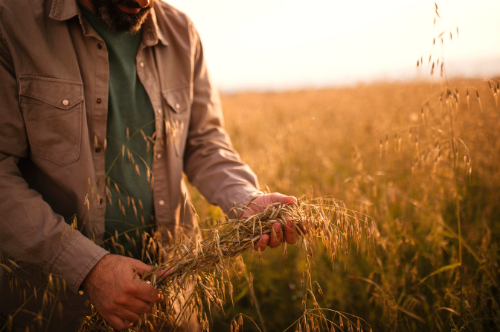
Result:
[
  {"x": 99, "y": 121},
  {"x": 148, "y": 75},
  {"x": 97, "y": 109}
]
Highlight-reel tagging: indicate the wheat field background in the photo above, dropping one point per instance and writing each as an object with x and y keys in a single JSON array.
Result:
[
  {"x": 421, "y": 158},
  {"x": 384, "y": 149}
]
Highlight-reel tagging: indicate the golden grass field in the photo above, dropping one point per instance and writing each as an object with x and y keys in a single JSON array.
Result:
[
  {"x": 420, "y": 158},
  {"x": 384, "y": 149}
]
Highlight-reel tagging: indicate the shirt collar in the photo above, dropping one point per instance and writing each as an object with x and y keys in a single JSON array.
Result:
[
  {"x": 63, "y": 10},
  {"x": 151, "y": 31}
]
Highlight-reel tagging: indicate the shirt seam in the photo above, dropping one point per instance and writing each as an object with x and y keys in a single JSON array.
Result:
[{"x": 50, "y": 79}]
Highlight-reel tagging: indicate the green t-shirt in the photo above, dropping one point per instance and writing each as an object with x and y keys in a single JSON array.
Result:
[{"x": 130, "y": 130}]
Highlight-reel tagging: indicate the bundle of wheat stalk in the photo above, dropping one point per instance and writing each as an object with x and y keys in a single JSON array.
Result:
[{"x": 198, "y": 269}]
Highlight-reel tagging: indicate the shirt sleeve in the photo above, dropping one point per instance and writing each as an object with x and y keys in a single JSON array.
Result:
[
  {"x": 30, "y": 231},
  {"x": 210, "y": 161}
]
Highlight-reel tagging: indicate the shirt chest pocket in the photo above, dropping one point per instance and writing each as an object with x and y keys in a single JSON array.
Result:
[
  {"x": 178, "y": 102},
  {"x": 52, "y": 110}
]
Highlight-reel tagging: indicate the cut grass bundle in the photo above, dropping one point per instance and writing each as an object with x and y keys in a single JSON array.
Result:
[{"x": 198, "y": 269}]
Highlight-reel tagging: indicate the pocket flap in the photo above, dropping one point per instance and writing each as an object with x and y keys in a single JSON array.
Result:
[
  {"x": 178, "y": 99},
  {"x": 59, "y": 93}
]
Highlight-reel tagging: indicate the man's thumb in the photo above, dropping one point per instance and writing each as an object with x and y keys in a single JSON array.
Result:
[{"x": 277, "y": 197}]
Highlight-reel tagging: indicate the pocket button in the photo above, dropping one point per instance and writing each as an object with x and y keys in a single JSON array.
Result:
[{"x": 65, "y": 102}]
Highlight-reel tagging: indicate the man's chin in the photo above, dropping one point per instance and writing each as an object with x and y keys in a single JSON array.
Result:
[
  {"x": 120, "y": 18},
  {"x": 130, "y": 27}
]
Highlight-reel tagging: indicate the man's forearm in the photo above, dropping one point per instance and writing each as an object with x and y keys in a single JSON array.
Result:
[{"x": 33, "y": 233}]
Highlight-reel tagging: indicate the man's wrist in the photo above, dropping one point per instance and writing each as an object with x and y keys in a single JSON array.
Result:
[{"x": 85, "y": 283}]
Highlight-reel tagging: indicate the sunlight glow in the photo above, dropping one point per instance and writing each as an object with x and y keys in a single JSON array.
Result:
[{"x": 280, "y": 44}]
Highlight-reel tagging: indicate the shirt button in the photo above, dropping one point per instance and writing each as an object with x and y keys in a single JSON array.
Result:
[
  {"x": 98, "y": 100},
  {"x": 159, "y": 111},
  {"x": 99, "y": 46},
  {"x": 98, "y": 150},
  {"x": 65, "y": 102},
  {"x": 177, "y": 106},
  {"x": 161, "y": 202},
  {"x": 141, "y": 64},
  {"x": 158, "y": 156}
]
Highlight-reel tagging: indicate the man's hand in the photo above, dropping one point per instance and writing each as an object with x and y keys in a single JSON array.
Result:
[
  {"x": 119, "y": 299},
  {"x": 260, "y": 204}
]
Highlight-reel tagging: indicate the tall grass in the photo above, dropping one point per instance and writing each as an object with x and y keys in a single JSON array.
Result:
[
  {"x": 369, "y": 145},
  {"x": 422, "y": 159}
]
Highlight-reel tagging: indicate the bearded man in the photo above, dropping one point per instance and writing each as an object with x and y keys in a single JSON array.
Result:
[{"x": 104, "y": 104}]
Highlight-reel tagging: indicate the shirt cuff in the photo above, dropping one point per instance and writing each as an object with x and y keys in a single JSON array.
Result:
[
  {"x": 76, "y": 260},
  {"x": 237, "y": 199}
]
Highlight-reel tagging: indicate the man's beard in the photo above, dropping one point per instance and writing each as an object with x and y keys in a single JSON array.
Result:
[{"x": 117, "y": 20}]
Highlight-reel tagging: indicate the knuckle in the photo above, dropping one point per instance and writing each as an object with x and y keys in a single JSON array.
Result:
[
  {"x": 130, "y": 288},
  {"x": 112, "y": 307},
  {"x": 120, "y": 299},
  {"x": 106, "y": 315},
  {"x": 127, "y": 288}
]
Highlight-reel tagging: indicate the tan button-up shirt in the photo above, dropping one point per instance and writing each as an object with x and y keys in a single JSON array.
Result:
[{"x": 54, "y": 77}]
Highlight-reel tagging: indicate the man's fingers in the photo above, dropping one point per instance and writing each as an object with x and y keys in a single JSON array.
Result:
[
  {"x": 290, "y": 232},
  {"x": 128, "y": 316},
  {"x": 260, "y": 203},
  {"x": 161, "y": 298},
  {"x": 144, "y": 291},
  {"x": 147, "y": 293},
  {"x": 117, "y": 323},
  {"x": 262, "y": 243},
  {"x": 163, "y": 273},
  {"x": 276, "y": 236},
  {"x": 138, "y": 306},
  {"x": 141, "y": 267}
]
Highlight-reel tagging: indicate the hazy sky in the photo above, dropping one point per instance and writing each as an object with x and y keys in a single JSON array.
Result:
[{"x": 280, "y": 44}]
